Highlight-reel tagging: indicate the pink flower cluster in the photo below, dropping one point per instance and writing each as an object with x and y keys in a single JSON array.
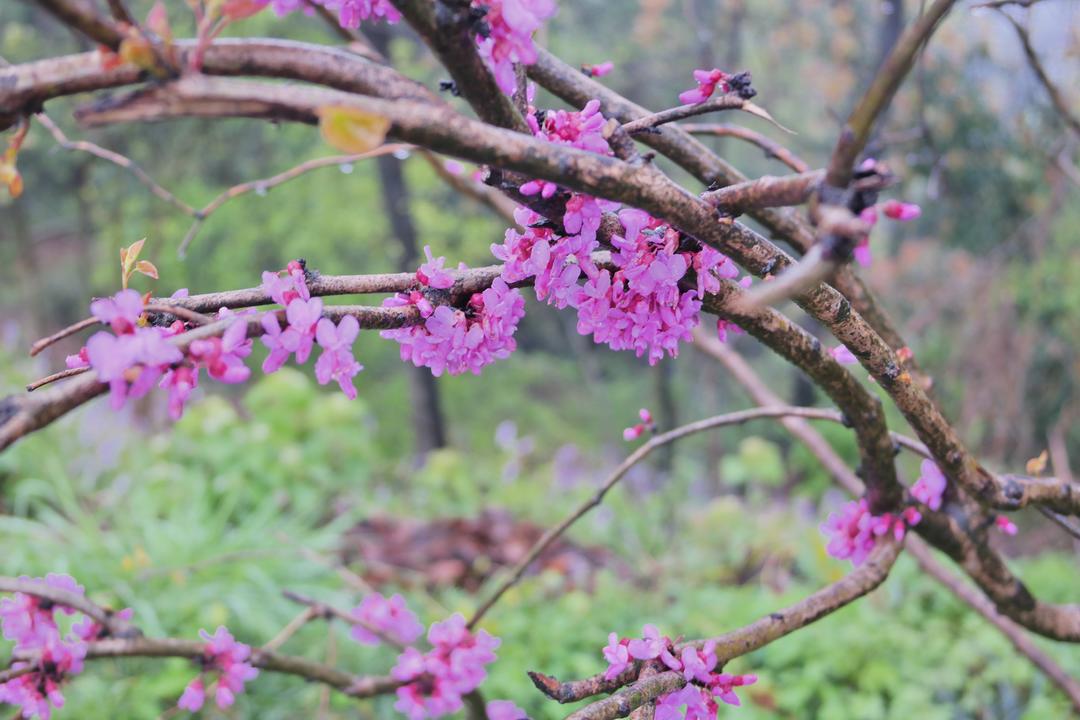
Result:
[
  {"x": 457, "y": 340},
  {"x": 854, "y": 530},
  {"x": 30, "y": 622},
  {"x": 505, "y": 36},
  {"x": 304, "y": 327},
  {"x": 696, "y": 666},
  {"x": 136, "y": 357},
  {"x": 229, "y": 659},
  {"x": 350, "y": 12},
  {"x": 582, "y": 129},
  {"x": 707, "y": 83},
  {"x": 930, "y": 486},
  {"x": 390, "y": 618},
  {"x": 640, "y": 306},
  {"x": 437, "y": 680},
  {"x": 133, "y": 359}
]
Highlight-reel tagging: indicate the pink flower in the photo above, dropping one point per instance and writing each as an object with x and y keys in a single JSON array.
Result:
[
  {"x": 896, "y": 210},
  {"x": 113, "y": 356},
  {"x": 510, "y": 26},
  {"x": 598, "y": 70},
  {"x": 432, "y": 273},
  {"x": 223, "y": 357},
  {"x": 650, "y": 646},
  {"x": 930, "y": 486},
  {"x": 298, "y": 337},
  {"x": 390, "y": 617},
  {"x": 504, "y": 710},
  {"x": 456, "y": 341},
  {"x": 229, "y": 659},
  {"x": 193, "y": 697},
  {"x": 180, "y": 382},
  {"x": 698, "y": 664},
  {"x": 436, "y": 680},
  {"x": 854, "y": 530},
  {"x": 30, "y": 623},
  {"x": 707, "y": 82},
  {"x": 79, "y": 360},
  {"x": 1005, "y": 525},
  {"x": 696, "y": 700},
  {"x": 121, "y": 311},
  {"x": 842, "y": 355},
  {"x": 723, "y": 686},
  {"x": 633, "y": 433},
  {"x": 284, "y": 289},
  {"x": 336, "y": 361},
  {"x": 618, "y": 657}
]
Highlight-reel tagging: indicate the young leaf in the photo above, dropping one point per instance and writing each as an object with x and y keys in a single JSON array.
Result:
[
  {"x": 351, "y": 130},
  {"x": 147, "y": 268}
]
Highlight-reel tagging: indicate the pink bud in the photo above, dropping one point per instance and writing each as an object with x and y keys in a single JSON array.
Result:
[{"x": 902, "y": 211}]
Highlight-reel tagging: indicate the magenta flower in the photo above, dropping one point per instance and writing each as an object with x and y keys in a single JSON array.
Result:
[
  {"x": 650, "y": 646},
  {"x": 79, "y": 360},
  {"x": 618, "y": 657},
  {"x": 121, "y": 311},
  {"x": 298, "y": 337},
  {"x": 598, "y": 70},
  {"x": 634, "y": 432},
  {"x": 723, "y": 686},
  {"x": 113, "y": 356},
  {"x": 930, "y": 486},
  {"x": 1005, "y": 525},
  {"x": 180, "y": 382},
  {"x": 193, "y": 697},
  {"x": 432, "y": 274},
  {"x": 390, "y": 617},
  {"x": 283, "y": 289},
  {"x": 511, "y": 24},
  {"x": 504, "y": 710},
  {"x": 229, "y": 659},
  {"x": 436, "y": 681},
  {"x": 896, "y": 210},
  {"x": 30, "y": 623},
  {"x": 696, "y": 700},
  {"x": 842, "y": 355},
  {"x": 336, "y": 361},
  {"x": 455, "y": 341},
  {"x": 707, "y": 82}
]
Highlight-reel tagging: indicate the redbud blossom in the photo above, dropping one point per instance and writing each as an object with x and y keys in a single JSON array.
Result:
[
  {"x": 227, "y": 658},
  {"x": 1005, "y": 525},
  {"x": 504, "y": 710},
  {"x": 437, "y": 680},
  {"x": 507, "y": 37},
  {"x": 390, "y": 617},
  {"x": 896, "y": 210},
  {"x": 598, "y": 70},
  {"x": 843, "y": 356},
  {"x": 707, "y": 83},
  {"x": 930, "y": 486},
  {"x": 30, "y": 622}
]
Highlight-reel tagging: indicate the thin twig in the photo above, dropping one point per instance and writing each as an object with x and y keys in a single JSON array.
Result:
[
  {"x": 63, "y": 374},
  {"x": 654, "y": 443},
  {"x": 273, "y": 181},
  {"x": 1060, "y": 104},
  {"x": 61, "y": 334},
  {"x": 116, "y": 159},
  {"x": 727, "y": 101},
  {"x": 772, "y": 148},
  {"x": 306, "y": 615}
]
